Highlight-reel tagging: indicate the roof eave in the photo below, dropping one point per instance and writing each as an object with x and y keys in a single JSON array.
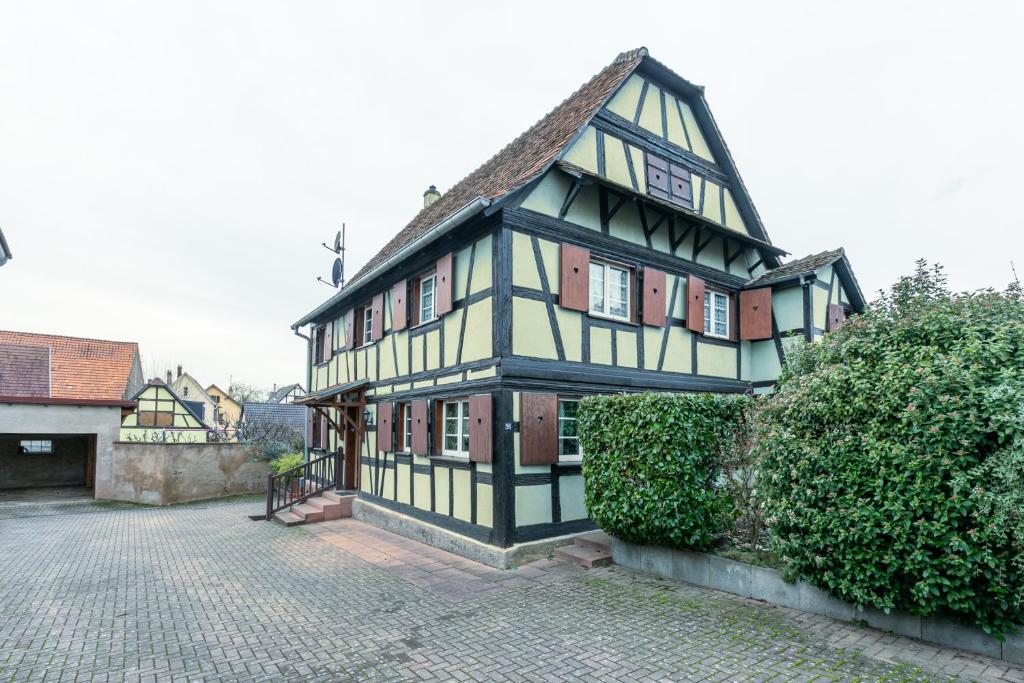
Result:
[
  {"x": 444, "y": 226},
  {"x": 50, "y": 400}
]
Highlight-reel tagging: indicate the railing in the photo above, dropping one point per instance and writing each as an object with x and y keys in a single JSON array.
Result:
[{"x": 295, "y": 485}]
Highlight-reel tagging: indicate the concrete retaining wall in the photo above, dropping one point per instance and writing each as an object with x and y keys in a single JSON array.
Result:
[
  {"x": 166, "y": 473},
  {"x": 762, "y": 583}
]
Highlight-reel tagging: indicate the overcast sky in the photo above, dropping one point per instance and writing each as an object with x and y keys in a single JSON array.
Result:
[{"x": 169, "y": 170}]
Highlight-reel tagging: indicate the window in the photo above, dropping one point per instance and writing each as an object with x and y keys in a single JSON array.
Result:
[
  {"x": 716, "y": 314},
  {"x": 184, "y": 392},
  {"x": 609, "y": 290},
  {"x": 568, "y": 437},
  {"x": 320, "y": 343},
  {"x": 428, "y": 287},
  {"x": 407, "y": 427},
  {"x": 456, "y": 428},
  {"x": 669, "y": 182},
  {"x": 367, "y": 324},
  {"x": 36, "y": 447}
]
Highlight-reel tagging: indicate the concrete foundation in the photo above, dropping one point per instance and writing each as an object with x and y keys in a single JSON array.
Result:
[{"x": 424, "y": 532}]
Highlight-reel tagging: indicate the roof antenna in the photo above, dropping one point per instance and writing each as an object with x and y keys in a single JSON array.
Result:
[{"x": 338, "y": 269}]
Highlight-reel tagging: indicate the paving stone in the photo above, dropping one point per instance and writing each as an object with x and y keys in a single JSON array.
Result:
[{"x": 199, "y": 592}]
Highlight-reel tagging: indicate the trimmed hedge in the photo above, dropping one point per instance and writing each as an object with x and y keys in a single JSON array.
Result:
[
  {"x": 892, "y": 455},
  {"x": 651, "y": 465}
]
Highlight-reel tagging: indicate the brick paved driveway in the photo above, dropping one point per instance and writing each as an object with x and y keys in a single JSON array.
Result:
[{"x": 199, "y": 592}]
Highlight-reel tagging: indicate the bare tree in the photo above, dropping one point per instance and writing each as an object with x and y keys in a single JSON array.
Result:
[{"x": 246, "y": 393}]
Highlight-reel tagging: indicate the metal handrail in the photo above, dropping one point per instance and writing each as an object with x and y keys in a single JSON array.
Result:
[{"x": 295, "y": 485}]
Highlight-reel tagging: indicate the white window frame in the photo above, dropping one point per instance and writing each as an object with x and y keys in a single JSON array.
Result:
[
  {"x": 569, "y": 457},
  {"x": 461, "y": 428},
  {"x": 367, "y": 325},
  {"x": 36, "y": 446},
  {"x": 432, "y": 279},
  {"x": 407, "y": 427},
  {"x": 710, "y": 297},
  {"x": 608, "y": 265}
]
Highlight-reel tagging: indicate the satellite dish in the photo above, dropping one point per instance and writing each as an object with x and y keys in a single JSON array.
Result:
[
  {"x": 337, "y": 271},
  {"x": 337, "y": 243}
]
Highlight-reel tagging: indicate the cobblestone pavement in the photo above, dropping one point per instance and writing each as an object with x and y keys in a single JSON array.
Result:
[{"x": 199, "y": 592}]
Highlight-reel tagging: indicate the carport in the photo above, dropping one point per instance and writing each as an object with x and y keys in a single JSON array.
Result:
[{"x": 47, "y": 460}]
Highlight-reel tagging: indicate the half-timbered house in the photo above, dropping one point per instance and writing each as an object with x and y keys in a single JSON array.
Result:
[{"x": 611, "y": 247}]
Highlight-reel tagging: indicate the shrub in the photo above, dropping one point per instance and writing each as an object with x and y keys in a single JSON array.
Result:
[
  {"x": 650, "y": 465},
  {"x": 891, "y": 454},
  {"x": 287, "y": 462}
]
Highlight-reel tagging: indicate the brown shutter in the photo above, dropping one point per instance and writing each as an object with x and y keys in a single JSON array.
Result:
[
  {"x": 438, "y": 426},
  {"x": 385, "y": 427},
  {"x": 419, "y": 427},
  {"x": 836, "y": 317},
  {"x": 309, "y": 428},
  {"x": 327, "y": 352},
  {"x": 399, "y": 306},
  {"x": 350, "y": 329},
  {"x": 574, "y": 284},
  {"x": 323, "y": 432},
  {"x": 756, "y": 313},
  {"x": 695, "y": 304},
  {"x": 681, "y": 191},
  {"x": 416, "y": 302},
  {"x": 443, "y": 286},
  {"x": 734, "y": 318},
  {"x": 377, "y": 323},
  {"x": 480, "y": 440},
  {"x": 538, "y": 429},
  {"x": 654, "y": 297}
]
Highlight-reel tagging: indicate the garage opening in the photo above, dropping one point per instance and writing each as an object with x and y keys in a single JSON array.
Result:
[{"x": 47, "y": 461}]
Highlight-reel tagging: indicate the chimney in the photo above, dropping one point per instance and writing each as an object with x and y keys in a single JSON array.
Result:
[
  {"x": 169, "y": 376},
  {"x": 430, "y": 196},
  {"x": 179, "y": 370},
  {"x": 274, "y": 391}
]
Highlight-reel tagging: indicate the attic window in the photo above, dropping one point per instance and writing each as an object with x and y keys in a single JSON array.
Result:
[{"x": 669, "y": 182}]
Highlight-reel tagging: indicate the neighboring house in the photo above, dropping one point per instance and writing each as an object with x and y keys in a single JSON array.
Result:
[
  {"x": 285, "y": 394},
  {"x": 161, "y": 416},
  {"x": 611, "y": 247},
  {"x": 273, "y": 421},
  {"x": 61, "y": 404},
  {"x": 230, "y": 410},
  {"x": 5, "y": 251},
  {"x": 187, "y": 388}
]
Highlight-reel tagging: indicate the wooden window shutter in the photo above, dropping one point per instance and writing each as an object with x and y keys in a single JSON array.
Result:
[
  {"x": 385, "y": 427},
  {"x": 654, "y": 297},
  {"x": 327, "y": 352},
  {"x": 756, "y": 313},
  {"x": 377, "y": 322},
  {"x": 399, "y": 306},
  {"x": 324, "y": 436},
  {"x": 416, "y": 302},
  {"x": 480, "y": 433},
  {"x": 419, "y": 427},
  {"x": 836, "y": 317},
  {"x": 309, "y": 428},
  {"x": 695, "y": 304},
  {"x": 350, "y": 329},
  {"x": 658, "y": 177},
  {"x": 574, "y": 284},
  {"x": 538, "y": 429},
  {"x": 680, "y": 192},
  {"x": 443, "y": 286},
  {"x": 734, "y": 318}
]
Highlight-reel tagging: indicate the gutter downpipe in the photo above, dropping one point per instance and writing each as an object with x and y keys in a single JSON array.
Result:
[
  {"x": 447, "y": 225},
  {"x": 309, "y": 383}
]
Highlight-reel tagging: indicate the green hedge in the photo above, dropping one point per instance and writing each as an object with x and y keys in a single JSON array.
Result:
[
  {"x": 650, "y": 465},
  {"x": 892, "y": 455}
]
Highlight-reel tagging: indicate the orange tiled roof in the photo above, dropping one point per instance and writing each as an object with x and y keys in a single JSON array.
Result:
[{"x": 82, "y": 369}]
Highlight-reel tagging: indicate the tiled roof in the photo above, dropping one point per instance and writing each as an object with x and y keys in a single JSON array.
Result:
[
  {"x": 281, "y": 394},
  {"x": 82, "y": 369},
  {"x": 807, "y": 264},
  {"x": 286, "y": 414},
  {"x": 521, "y": 160},
  {"x": 24, "y": 371}
]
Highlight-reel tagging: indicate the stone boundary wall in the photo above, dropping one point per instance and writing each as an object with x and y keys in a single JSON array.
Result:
[
  {"x": 166, "y": 473},
  {"x": 762, "y": 583}
]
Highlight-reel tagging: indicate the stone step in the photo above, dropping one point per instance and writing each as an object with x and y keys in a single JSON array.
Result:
[
  {"x": 330, "y": 509},
  {"x": 598, "y": 540},
  {"x": 309, "y": 513},
  {"x": 588, "y": 558},
  {"x": 344, "y": 498},
  {"x": 288, "y": 518}
]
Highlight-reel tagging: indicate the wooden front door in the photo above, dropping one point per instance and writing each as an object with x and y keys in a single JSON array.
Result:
[{"x": 353, "y": 446}]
